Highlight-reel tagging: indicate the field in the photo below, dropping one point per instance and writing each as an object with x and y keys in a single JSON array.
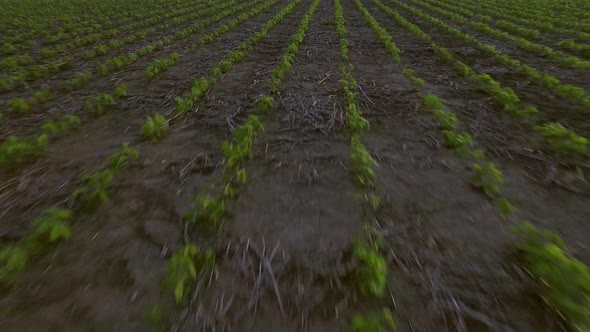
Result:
[{"x": 294, "y": 165}]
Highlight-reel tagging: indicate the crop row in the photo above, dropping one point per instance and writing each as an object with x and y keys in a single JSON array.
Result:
[
  {"x": 570, "y": 92},
  {"x": 190, "y": 261},
  {"x": 29, "y": 24},
  {"x": 561, "y": 279},
  {"x": 537, "y": 49},
  {"x": 54, "y": 224},
  {"x": 15, "y": 152},
  {"x": 82, "y": 78},
  {"x": 372, "y": 272},
  {"x": 558, "y": 139},
  {"x": 147, "y": 19}
]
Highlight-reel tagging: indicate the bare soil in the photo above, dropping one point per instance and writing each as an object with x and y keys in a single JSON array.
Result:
[{"x": 284, "y": 252}]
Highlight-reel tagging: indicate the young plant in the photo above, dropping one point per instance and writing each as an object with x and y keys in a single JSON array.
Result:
[
  {"x": 209, "y": 211},
  {"x": 122, "y": 157},
  {"x": 155, "y": 128},
  {"x": 99, "y": 104},
  {"x": 12, "y": 260},
  {"x": 265, "y": 103},
  {"x": 563, "y": 281},
  {"x": 376, "y": 322},
  {"x": 488, "y": 178},
  {"x": 372, "y": 272},
  {"x": 362, "y": 164},
  {"x": 120, "y": 91},
  {"x": 94, "y": 190},
  {"x": 79, "y": 81},
  {"x": 15, "y": 151},
  {"x": 51, "y": 227},
  {"x": 185, "y": 265},
  {"x": 562, "y": 140},
  {"x": 19, "y": 105},
  {"x": 57, "y": 128},
  {"x": 411, "y": 75}
]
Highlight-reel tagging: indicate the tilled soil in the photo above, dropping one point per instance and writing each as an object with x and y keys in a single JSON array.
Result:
[{"x": 284, "y": 250}]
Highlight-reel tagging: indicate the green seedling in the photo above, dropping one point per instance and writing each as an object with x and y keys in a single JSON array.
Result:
[
  {"x": 488, "y": 178},
  {"x": 185, "y": 266},
  {"x": 79, "y": 81},
  {"x": 376, "y": 322},
  {"x": 19, "y": 105},
  {"x": 15, "y": 151},
  {"x": 94, "y": 190},
  {"x": 505, "y": 206},
  {"x": 51, "y": 227},
  {"x": 41, "y": 96},
  {"x": 99, "y": 104},
  {"x": 155, "y": 128},
  {"x": 265, "y": 103},
  {"x": 372, "y": 272},
  {"x": 12, "y": 261},
  {"x": 57, "y": 128},
  {"x": 562, "y": 140},
  {"x": 362, "y": 164},
  {"x": 563, "y": 281},
  {"x": 411, "y": 74},
  {"x": 459, "y": 141},
  {"x": 183, "y": 105},
  {"x": 120, "y": 91},
  {"x": 209, "y": 211},
  {"x": 241, "y": 147},
  {"x": 120, "y": 159}
]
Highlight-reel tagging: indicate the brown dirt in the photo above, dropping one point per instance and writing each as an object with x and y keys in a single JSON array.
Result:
[{"x": 283, "y": 252}]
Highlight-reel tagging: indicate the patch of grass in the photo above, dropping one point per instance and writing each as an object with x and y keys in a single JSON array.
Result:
[
  {"x": 563, "y": 281},
  {"x": 155, "y": 128},
  {"x": 185, "y": 265}
]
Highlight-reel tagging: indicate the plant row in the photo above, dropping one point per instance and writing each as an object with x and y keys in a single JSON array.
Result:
[
  {"x": 572, "y": 93},
  {"x": 54, "y": 224},
  {"x": 537, "y": 49},
  {"x": 201, "y": 85},
  {"x": 372, "y": 272},
  {"x": 559, "y": 138},
  {"x": 189, "y": 261},
  {"x": 15, "y": 152},
  {"x": 562, "y": 280}
]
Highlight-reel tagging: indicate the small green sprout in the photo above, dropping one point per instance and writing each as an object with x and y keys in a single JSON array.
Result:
[
  {"x": 155, "y": 128},
  {"x": 372, "y": 273},
  {"x": 94, "y": 190},
  {"x": 209, "y": 210},
  {"x": 185, "y": 265},
  {"x": 377, "y": 322},
  {"x": 488, "y": 178},
  {"x": 265, "y": 103},
  {"x": 121, "y": 158},
  {"x": 562, "y": 140}
]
